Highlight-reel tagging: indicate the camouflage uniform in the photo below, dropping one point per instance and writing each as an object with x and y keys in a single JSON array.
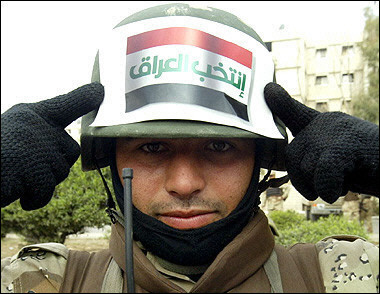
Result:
[
  {"x": 38, "y": 268},
  {"x": 274, "y": 199},
  {"x": 366, "y": 211},
  {"x": 351, "y": 206},
  {"x": 348, "y": 265}
]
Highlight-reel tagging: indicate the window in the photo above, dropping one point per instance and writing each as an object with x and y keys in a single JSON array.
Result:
[
  {"x": 322, "y": 106},
  {"x": 348, "y": 78},
  {"x": 269, "y": 46},
  {"x": 348, "y": 50},
  {"x": 346, "y": 106},
  {"x": 321, "y": 53},
  {"x": 321, "y": 80}
]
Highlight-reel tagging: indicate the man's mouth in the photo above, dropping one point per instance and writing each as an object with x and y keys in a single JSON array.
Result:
[{"x": 185, "y": 220}]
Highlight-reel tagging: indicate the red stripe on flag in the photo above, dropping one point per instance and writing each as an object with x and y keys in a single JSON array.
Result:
[{"x": 188, "y": 36}]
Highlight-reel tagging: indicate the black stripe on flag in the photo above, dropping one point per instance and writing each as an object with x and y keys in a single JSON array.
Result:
[{"x": 185, "y": 93}]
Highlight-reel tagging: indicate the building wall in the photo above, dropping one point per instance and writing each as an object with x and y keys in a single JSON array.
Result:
[
  {"x": 341, "y": 70},
  {"x": 289, "y": 58}
]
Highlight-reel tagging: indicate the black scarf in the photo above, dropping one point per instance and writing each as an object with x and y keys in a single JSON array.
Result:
[{"x": 190, "y": 247}]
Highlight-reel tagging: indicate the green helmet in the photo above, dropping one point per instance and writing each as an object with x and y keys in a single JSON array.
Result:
[{"x": 209, "y": 100}]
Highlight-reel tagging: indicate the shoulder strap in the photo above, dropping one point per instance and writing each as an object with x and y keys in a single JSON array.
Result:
[
  {"x": 113, "y": 280},
  {"x": 273, "y": 272}
]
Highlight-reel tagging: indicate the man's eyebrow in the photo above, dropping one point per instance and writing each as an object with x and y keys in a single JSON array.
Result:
[
  {"x": 129, "y": 140},
  {"x": 125, "y": 140}
]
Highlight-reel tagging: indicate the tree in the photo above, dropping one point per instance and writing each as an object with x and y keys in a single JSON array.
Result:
[
  {"x": 366, "y": 105},
  {"x": 78, "y": 202}
]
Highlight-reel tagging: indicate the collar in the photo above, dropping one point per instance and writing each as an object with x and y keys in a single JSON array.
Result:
[{"x": 240, "y": 259}]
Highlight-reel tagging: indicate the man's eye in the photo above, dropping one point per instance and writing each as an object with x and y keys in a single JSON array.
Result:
[
  {"x": 152, "y": 147},
  {"x": 219, "y": 146}
]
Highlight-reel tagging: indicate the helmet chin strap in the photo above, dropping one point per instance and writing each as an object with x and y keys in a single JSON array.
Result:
[
  {"x": 265, "y": 183},
  {"x": 110, "y": 202},
  {"x": 275, "y": 183}
]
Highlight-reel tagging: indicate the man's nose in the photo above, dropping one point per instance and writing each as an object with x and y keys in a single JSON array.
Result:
[{"x": 185, "y": 176}]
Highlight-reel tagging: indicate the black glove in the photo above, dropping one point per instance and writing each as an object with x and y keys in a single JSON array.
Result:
[
  {"x": 36, "y": 151},
  {"x": 332, "y": 152}
]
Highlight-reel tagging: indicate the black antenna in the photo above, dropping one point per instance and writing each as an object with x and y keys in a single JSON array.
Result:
[{"x": 128, "y": 228}]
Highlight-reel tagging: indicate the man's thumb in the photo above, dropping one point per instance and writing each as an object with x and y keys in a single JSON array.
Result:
[{"x": 294, "y": 114}]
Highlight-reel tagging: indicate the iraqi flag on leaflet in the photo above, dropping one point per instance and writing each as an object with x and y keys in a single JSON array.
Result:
[
  {"x": 186, "y": 65},
  {"x": 191, "y": 37}
]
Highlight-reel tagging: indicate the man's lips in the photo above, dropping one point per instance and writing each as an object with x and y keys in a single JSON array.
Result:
[{"x": 185, "y": 220}]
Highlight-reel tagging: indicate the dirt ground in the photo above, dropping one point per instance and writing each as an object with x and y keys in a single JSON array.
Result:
[{"x": 11, "y": 245}]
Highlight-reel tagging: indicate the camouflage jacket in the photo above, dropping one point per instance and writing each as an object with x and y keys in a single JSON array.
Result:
[{"x": 348, "y": 264}]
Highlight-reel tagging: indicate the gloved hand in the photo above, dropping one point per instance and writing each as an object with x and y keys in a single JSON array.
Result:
[
  {"x": 36, "y": 152},
  {"x": 331, "y": 153}
]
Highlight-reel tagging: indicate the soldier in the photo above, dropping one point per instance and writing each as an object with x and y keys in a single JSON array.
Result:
[
  {"x": 351, "y": 206},
  {"x": 366, "y": 211},
  {"x": 275, "y": 197},
  {"x": 189, "y": 104}
]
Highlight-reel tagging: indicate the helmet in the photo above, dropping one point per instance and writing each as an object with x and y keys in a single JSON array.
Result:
[{"x": 208, "y": 102}]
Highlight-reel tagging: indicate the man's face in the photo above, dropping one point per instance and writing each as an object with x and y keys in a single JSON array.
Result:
[{"x": 187, "y": 183}]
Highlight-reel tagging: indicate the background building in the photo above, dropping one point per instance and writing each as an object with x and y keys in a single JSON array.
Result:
[{"x": 323, "y": 72}]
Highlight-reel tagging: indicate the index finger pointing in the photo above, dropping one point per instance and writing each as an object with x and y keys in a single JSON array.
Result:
[{"x": 64, "y": 109}]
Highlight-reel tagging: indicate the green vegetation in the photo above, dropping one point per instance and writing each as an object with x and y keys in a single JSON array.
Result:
[
  {"x": 294, "y": 228},
  {"x": 78, "y": 202}
]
